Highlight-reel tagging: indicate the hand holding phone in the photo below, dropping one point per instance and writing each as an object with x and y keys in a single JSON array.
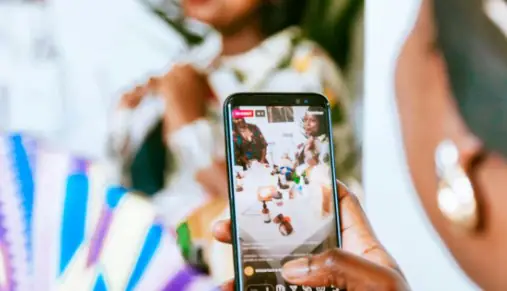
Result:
[
  {"x": 361, "y": 263},
  {"x": 272, "y": 222}
]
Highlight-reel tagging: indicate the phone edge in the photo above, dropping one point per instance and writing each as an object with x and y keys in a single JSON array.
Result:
[{"x": 238, "y": 279}]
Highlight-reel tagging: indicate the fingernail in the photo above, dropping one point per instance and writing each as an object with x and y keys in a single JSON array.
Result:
[{"x": 295, "y": 269}]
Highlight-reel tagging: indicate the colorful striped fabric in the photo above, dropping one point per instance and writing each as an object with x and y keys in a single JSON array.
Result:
[{"x": 62, "y": 227}]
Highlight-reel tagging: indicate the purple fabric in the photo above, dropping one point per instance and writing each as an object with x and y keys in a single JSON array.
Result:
[
  {"x": 181, "y": 280},
  {"x": 10, "y": 284},
  {"x": 79, "y": 166},
  {"x": 3, "y": 251},
  {"x": 2, "y": 227},
  {"x": 99, "y": 236}
]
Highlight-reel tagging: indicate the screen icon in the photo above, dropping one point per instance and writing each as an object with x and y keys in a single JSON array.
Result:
[
  {"x": 260, "y": 288},
  {"x": 260, "y": 113},
  {"x": 238, "y": 113},
  {"x": 293, "y": 288},
  {"x": 280, "y": 288},
  {"x": 249, "y": 271},
  {"x": 306, "y": 288}
]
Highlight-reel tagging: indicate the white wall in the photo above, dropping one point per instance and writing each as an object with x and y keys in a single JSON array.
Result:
[
  {"x": 390, "y": 199},
  {"x": 103, "y": 46}
]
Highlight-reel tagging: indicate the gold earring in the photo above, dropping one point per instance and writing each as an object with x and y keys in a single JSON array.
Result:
[{"x": 456, "y": 195}]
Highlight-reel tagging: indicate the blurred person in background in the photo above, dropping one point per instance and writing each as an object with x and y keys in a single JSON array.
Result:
[
  {"x": 451, "y": 96},
  {"x": 261, "y": 48}
]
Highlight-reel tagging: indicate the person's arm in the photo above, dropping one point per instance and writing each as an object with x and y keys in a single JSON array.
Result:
[
  {"x": 189, "y": 134},
  {"x": 195, "y": 149},
  {"x": 258, "y": 134},
  {"x": 263, "y": 155},
  {"x": 264, "y": 150},
  {"x": 299, "y": 156},
  {"x": 238, "y": 153}
]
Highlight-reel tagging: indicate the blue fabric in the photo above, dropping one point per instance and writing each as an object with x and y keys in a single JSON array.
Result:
[
  {"x": 114, "y": 196},
  {"x": 74, "y": 217},
  {"x": 100, "y": 284},
  {"x": 24, "y": 173},
  {"x": 150, "y": 246}
]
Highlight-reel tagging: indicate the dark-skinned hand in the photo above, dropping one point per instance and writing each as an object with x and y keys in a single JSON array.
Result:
[{"x": 362, "y": 263}]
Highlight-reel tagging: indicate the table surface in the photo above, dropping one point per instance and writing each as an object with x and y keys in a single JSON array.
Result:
[{"x": 303, "y": 210}]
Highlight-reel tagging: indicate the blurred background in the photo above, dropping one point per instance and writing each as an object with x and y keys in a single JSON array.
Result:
[
  {"x": 72, "y": 60},
  {"x": 93, "y": 51}
]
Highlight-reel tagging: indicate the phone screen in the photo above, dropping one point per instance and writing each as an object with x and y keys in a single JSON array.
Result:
[{"x": 284, "y": 198}]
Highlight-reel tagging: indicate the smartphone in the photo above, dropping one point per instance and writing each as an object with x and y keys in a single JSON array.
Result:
[{"x": 283, "y": 195}]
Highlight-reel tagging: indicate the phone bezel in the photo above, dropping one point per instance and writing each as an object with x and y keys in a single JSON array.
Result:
[{"x": 270, "y": 99}]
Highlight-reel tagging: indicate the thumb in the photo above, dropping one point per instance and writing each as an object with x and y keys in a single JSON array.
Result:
[
  {"x": 343, "y": 270},
  {"x": 228, "y": 286}
]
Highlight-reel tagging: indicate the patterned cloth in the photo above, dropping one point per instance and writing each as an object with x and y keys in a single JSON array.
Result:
[{"x": 62, "y": 227}]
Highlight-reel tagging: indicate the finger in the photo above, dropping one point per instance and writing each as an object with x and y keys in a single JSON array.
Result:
[
  {"x": 222, "y": 231},
  {"x": 129, "y": 100},
  {"x": 125, "y": 100},
  {"x": 138, "y": 91},
  {"x": 339, "y": 269},
  {"x": 153, "y": 84},
  {"x": 358, "y": 236},
  {"x": 228, "y": 286},
  {"x": 137, "y": 94}
]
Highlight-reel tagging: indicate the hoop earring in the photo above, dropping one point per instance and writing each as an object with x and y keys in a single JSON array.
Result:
[{"x": 456, "y": 196}]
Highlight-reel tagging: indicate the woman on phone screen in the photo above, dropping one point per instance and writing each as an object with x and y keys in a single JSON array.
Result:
[{"x": 315, "y": 149}]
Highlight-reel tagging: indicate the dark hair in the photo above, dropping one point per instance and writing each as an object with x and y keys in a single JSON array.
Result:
[
  {"x": 475, "y": 51},
  {"x": 235, "y": 125},
  {"x": 328, "y": 23},
  {"x": 151, "y": 163},
  {"x": 321, "y": 119},
  {"x": 170, "y": 13},
  {"x": 277, "y": 15},
  {"x": 332, "y": 25}
]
